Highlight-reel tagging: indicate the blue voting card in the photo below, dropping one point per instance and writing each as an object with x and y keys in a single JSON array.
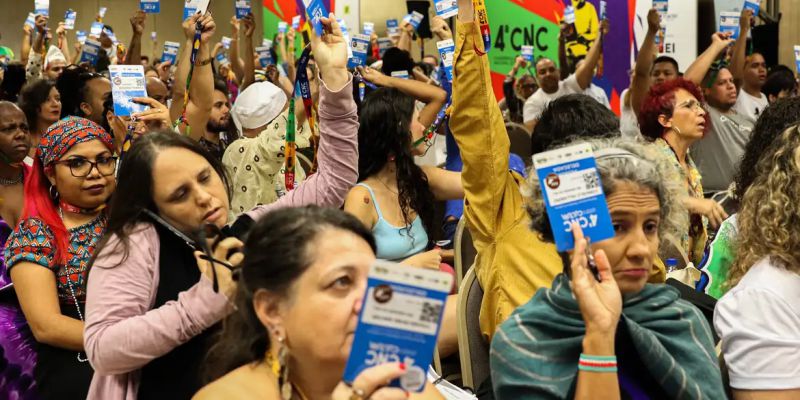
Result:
[
  {"x": 226, "y": 42},
  {"x": 729, "y": 22},
  {"x": 153, "y": 36},
  {"x": 102, "y": 12},
  {"x": 266, "y": 43},
  {"x": 242, "y": 8},
  {"x": 282, "y": 26},
  {"x": 446, "y": 8},
  {"x": 400, "y": 74},
  {"x": 399, "y": 322},
  {"x": 359, "y": 45},
  {"x": 81, "y": 35},
  {"x": 90, "y": 51},
  {"x": 316, "y": 10},
  {"x": 569, "y": 15},
  {"x": 69, "y": 19},
  {"x": 170, "y": 52},
  {"x": 368, "y": 28},
  {"x": 221, "y": 59},
  {"x": 527, "y": 53},
  {"x": 447, "y": 49},
  {"x": 31, "y": 20},
  {"x": 264, "y": 56},
  {"x": 662, "y": 7},
  {"x": 96, "y": 29},
  {"x": 383, "y": 45},
  {"x": 346, "y": 35},
  {"x": 573, "y": 192},
  {"x": 150, "y": 6},
  {"x": 603, "y": 6},
  {"x": 415, "y": 18},
  {"x": 127, "y": 82},
  {"x": 392, "y": 26},
  {"x": 296, "y": 22},
  {"x": 797, "y": 57},
  {"x": 41, "y": 7},
  {"x": 753, "y": 5},
  {"x": 191, "y": 7}
]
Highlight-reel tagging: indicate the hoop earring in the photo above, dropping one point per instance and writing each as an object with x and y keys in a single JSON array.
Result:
[
  {"x": 283, "y": 371},
  {"x": 53, "y": 192}
]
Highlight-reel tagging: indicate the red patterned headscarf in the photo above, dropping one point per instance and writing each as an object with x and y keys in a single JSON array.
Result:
[{"x": 66, "y": 133}]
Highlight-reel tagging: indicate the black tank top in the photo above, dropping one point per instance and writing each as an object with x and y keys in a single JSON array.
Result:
[{"x": 175, "y": 375}]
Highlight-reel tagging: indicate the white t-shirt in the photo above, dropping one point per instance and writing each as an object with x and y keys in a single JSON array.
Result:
[
  {"x": 750, "y": 106},
  {"x": 535, "y": 104},
  {"x": 759, "y": 323},
  {"x": 628, "y": 122},
  {"x": 597, "y": 93}
]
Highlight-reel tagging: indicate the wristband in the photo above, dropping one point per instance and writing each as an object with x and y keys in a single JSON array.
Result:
[
  {"x": 205, "y": 62},
  {"x": 597, "y": 363}
]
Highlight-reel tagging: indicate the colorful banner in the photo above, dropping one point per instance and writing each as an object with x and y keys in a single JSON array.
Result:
[{"x": 517, "y": 23}]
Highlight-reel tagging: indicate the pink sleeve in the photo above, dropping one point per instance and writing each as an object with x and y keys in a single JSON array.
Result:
[
  {"x": 122, "y": 333},
  {"x": 337, "y": 157}
]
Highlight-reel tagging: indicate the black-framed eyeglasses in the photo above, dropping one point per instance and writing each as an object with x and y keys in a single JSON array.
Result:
[{"x": 81, "y": 167}]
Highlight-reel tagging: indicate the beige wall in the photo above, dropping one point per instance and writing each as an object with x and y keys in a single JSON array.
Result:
[
  {"x": 378, "y": 11},
  {"x": 789, "y": 31},
  {"x": 167, "y": 23}
]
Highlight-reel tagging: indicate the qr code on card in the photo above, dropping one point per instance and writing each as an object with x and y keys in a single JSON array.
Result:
[
  {"x": 430, "y": 312},
  {"x": 591, "y": 180}
]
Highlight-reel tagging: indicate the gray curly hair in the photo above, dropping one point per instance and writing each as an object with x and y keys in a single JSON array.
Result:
[{"x": 644, "y": 166}]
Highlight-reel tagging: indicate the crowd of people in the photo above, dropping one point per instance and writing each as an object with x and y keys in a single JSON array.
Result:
[{"x": 186, "y": 251}]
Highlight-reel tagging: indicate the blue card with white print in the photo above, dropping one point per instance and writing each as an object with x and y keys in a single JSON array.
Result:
[
  {"x": 316, "y": 10},
  {"x": 170, "y": 52},
  {"x": 572, "y": 192},
  {"x": 399, "y": 321},
  {"x": 242, "y": 8},
  {"x": 150, "y": 6},
  {"x": 127, "y": 82},
  {"x": 90, "y": 51}
]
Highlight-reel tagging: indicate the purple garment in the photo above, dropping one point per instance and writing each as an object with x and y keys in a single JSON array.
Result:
[{"x": 17, "y": 345}]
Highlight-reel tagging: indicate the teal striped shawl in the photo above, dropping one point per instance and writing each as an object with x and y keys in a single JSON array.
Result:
[{"x": 534, "y": 354}]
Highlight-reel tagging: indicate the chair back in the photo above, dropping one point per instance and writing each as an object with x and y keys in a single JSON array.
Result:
[
  {"x": 520, "y": 141},
  {"x": 472, "y": 347},
  {"x": 465, "y": 251}
]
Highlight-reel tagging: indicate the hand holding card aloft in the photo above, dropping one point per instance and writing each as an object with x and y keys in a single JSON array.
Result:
[
  {"x": 369, "y": 383},
  {"x": 157, "y": 116},
  {"x": 330, "y": 53},
  {"x": 600, "y": 302}
]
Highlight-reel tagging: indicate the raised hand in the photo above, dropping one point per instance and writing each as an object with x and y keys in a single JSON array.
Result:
[
  {"x": 249, "y": 25},
  {"x": 137, "y": 22},
  {"x": 440, "y": 28},
  {"x": 156, "y": 117},
  {"x": 372, "y": 75},
  {"x": 41, "y": 24},
  {"x": 653, "y": 21},
  {"x": 721, "y": 40},
  {"x": 234, "y": 27},
  {"x": 209, "y": 27},
  {"x": 330, "y": 53},
  {"x": 61, "y": 31},
  {"x": 600, "y": 302}
]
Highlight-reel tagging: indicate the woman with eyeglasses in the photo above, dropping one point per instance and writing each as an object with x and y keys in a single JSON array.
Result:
[
  {"x": 672, "y": 116},
  {"x": 153, "y": 302},
  {"x": 48, "y": 253},
  {"x": 394, "y": 197}
]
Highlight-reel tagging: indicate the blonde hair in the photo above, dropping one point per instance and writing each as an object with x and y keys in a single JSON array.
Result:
[
  {"x": 769, "y": 218},
  {"x": 645, "y": 166}
]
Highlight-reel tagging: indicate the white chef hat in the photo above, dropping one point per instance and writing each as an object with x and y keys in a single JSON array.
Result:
[
  {"x": 53, "y": 54},
  {"x": 257, "y": 105}
]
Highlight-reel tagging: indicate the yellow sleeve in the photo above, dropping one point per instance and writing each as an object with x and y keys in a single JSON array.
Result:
[{"x": 478, "y": 128}]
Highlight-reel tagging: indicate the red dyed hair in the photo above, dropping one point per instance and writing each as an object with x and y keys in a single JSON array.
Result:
[
  {"x": 660, "y": 100},
  {"x": 39, "y": 204}
]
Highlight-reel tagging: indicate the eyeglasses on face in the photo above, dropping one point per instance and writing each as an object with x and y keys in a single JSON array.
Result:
[{"x": 81, "y": 167}]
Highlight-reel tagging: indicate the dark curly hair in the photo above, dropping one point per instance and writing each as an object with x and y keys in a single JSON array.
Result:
[
  {"x": 776, "y": 118},
  {"x": 384, "y": 130},
  {"x": 660, "y": 100},
  {"x": 73, "y": 86},
  {"x": 396, "y": 59},
  {"x": 278, "y": 250},
  {"x": 560, "y": 123}
]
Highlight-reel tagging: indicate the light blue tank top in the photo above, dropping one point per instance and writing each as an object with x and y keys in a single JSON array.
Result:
[{"x": 395, "y": 243}]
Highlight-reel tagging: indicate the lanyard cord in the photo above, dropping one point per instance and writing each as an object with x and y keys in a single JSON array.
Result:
[{"x": 192, "y": 59}]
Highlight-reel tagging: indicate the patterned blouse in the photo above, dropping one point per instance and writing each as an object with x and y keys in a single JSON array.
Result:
[
  {"x": 693, "y": 241},
  {"x": 32, "y": 241}
]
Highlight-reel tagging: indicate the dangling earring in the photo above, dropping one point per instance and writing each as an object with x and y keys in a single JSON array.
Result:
[
  {"x": 53, "y": 192},
  {"x": 283, "y": 371},
  {"x": 392, "y": 158}
]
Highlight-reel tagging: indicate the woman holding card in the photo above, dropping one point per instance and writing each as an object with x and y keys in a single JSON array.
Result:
[
  {"x": 610, "y": 334},
  {"x": 297, "y": 310},
  {"x": 152, "y": 301},
  {"x": 48, "y": 254}
]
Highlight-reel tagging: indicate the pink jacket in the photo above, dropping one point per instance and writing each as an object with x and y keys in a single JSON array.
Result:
[{"x": 123, "y": 333}]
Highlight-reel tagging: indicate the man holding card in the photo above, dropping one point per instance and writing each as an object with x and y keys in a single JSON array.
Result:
[
  {"x": 749, "y": 73},
  {"x": 551, "y": 86}
]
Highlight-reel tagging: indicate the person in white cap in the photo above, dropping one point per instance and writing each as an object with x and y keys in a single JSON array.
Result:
[
  {"x": 55, "y": 60},
  {"x": 255, "y": 162}
]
